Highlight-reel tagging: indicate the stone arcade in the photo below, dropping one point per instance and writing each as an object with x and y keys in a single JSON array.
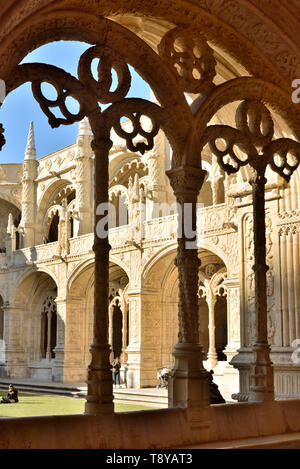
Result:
[{"x": 221, "y": 130}]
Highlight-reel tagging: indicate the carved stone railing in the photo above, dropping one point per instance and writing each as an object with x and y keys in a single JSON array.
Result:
[
  {"x": 215, "y": 218},
  {"x": 81, "y": 244},
  {"x": 35, "y": 254},
  {"x": 118, "y": 236},
  {"x": 210, "y": 219},
  {"x": 163, "y": 228}
]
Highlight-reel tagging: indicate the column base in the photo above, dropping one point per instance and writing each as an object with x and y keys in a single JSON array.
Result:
[
  {"x": 99, "y": 400},
  {"x": 189, "y": 381},
  {"x": 133, "y": 374},
  {"x": 58, "y": 366},
  {"x": 261, "y": 375}
]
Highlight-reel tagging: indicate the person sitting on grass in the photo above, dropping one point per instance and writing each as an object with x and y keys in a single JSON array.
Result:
[{"x": 12, "y": 396}]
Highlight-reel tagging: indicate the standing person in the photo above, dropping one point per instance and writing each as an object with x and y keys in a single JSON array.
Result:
[
  {"x": 116, "y": 370},
  {"x": 12, "y": 396}
]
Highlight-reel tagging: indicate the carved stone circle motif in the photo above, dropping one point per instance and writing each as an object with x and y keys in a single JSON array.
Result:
[
  {"x": 108, "y": 60},
  {"x": 88, "y": 92},
  {"x": 251, "y": 143},
  {"x": 188, "y": 57},
  {"x": 284, "y": 156},
  {"x": 188, "y": 52},
  {"x": 231, "y": 140},
  {"x": 134, "y": 109},
  {"x": 254, "y": 120},
  {"x": 65, "y": 86}
]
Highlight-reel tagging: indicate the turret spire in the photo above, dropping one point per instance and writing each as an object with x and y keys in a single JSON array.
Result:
[{"x": 30, "y": 152}]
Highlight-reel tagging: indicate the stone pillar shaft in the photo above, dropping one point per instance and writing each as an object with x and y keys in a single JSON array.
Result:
[
  {"x": 49, "y": 319},
  {"x": 58, "y": 367},
  {"x": 100, "y": 395},
  {"x": 233, "y": 317},
  {"x": 124, "y": 333},
  {"x": 16, "y": 357},
  {"x": 261, "y": 370},
  {"x": 189, "y": 383}
]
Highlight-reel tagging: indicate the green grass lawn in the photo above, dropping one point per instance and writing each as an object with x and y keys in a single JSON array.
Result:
[{"x": 33, "y": 405}]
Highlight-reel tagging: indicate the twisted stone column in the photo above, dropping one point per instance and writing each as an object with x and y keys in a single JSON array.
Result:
[
  {"x": 189, "y": 384},
  {"x": 261, "y": 370},
  {"x": 100, "y": 395}
]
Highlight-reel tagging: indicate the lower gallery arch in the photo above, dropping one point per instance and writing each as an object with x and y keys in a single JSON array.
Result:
[
  {"x": 34, "y": 329},
  {"x": 159, "y": 319},
  {"x": 79, "y": 315}
]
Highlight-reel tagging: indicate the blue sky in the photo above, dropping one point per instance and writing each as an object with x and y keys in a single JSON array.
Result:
[{"x": 19, "y": 107}]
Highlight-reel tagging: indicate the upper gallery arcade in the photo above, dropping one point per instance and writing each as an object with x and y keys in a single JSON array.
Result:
[{"x": 220, "y": 135}]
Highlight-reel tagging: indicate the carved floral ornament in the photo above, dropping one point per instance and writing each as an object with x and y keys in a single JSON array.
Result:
[
  {"x": 185, "y": 61},
  {"x": 252, "y": 143},
  {"x": 185, "y": 64},
  {"x": 188, "y": 53},
  {"x": 89, "y": 92}
]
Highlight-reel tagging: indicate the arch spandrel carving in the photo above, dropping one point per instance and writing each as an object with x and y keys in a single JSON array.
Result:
[
  {"x": 241, "y": 33},
  {"x": 239, "y": 89},
  {"x": 121, "y": 42}
]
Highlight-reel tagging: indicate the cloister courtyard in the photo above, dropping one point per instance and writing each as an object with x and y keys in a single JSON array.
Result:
[{"x": 162, "y": 230}]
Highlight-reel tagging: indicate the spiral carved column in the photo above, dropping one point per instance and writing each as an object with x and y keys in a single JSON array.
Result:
[
  {"x": 189, "y": 384},
  {"x": 100, "y": 395},
  {"x": 261, "y": 370}
]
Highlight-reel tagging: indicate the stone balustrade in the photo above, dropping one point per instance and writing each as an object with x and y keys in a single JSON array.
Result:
[
  {"x": 81, "y": 244},
  {"x": 210, "y": 219}
]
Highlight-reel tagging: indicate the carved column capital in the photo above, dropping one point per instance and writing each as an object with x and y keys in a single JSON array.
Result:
[{"x": 186, "y": 180}]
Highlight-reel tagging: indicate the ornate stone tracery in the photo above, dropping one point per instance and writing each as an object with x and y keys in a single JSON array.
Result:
[
  {"x": 186, "y": 51},
  {"x": 186, "y": 58},
  {"x": 251, "y": 143},
  {"x": 88, "y": 91}
]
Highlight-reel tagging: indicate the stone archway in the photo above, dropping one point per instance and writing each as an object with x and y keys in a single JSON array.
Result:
[
  {"x": 185, "y": 180},
  {"x": 236, "y": 30},
  {"x": 34, "y": 329},
  {"x": 79, "y": 306},
  {"x": 161, "y": 278}
]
